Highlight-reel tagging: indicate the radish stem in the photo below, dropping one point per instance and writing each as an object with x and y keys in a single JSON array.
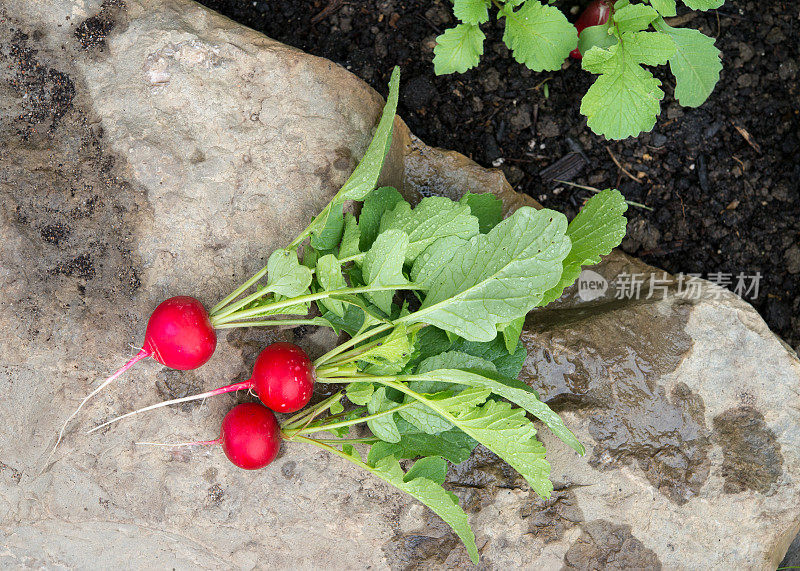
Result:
[
  {"x": 268, "y": 308},
  {"x": 216, "y": 311},
  {"x": 352, "y": 342},
  {"x": 267, "y": 323},
  {"x": 342, "y": 424}
]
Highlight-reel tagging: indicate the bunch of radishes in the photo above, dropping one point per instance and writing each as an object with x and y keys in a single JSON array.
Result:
[{"x": 433, "y": 297}]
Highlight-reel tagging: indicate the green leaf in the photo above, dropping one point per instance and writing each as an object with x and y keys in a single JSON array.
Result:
[
  {"x": 539, "y": 36},
  {"x": 432, "y": 494},
  {"x": 471, "y": 11},
  {"x": 286, "y": 276},
  {"x": 449, "y": 360},
  {"x": 329, "y": 275},
  {"x": 350, "y": 238},
  {"x": 633, "y": 18},
  {"x": 433, "y": 467},
  {"x": 508, "y": 364},
  {"x": 383, "y": 427},
  {"x": 395, "y": 348},
  {"x": 360, "y": 392},
  {"x": 433, "y": 218},
  {"x": 696, "y": 64},
  {"x": 433, "y": 341},
  {"x": 375, "y": 204},
  {"x": 667, "y": 8},
  {"x": 329, "y": 234},
  {"x": 704, "y": 5},
  {"x": 512, "y": 330},
  {"x": 625, "y": 99},
  {"x": 424, "y": 418},
  {"x": 365, "y": 176},
  {"x": 497, "y": 277},
  {"x": 383, "y": 266},
  {"x": 597, "y": 229},
  {"x": 430, "y": 262},
  {"x": 351, "y": 323},
  {"x": 336, "y": 407},
  {"x": 506, "y": 432},
  {"x": 523, "y": 397},
  {"x": 486, "y": 207},
  {"x": 458, "y": 49},
  {"x": 452, "y": 444},
  {"x": 596, "y": 36},
  {"x": 455, "y": 360},
  {"x": 430, "y": 421}
]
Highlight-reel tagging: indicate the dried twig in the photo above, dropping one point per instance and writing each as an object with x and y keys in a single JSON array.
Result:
[
  {"x": 623, "y": 169},
  {"x": 333, "y": 6},
  {"x": 596, "y": 190},
  {"x": 747, "y": 137}
]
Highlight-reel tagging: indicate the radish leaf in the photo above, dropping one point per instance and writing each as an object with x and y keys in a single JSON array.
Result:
[
  {"x": 597, "y": 229},
  {"x": 625, "y": 99},
  {"x": 329, "y": 275},
  {"x": 696, "y": 64},
  {"x": 285, "y": 275},
  {"x": 539, "y": 36},
  {"x": 633, "y": 17},
  {"x": 383, "y": 427},
  {"x": 520, "y": 395},
  {"x": 471, "y": 11},
  {"x": 433, "y": 218},
  {"x": 703, "y": 4},
  {"x": 430, "y": 493},
  {"x": 486, "y": 207},
  {"x": 365, "y": 176},
  {"x": 666, "y": 8},
  {"x": 350, "y": 238},
  {"x": 383, "y": 265},
  {"x": 375, "y": 204},
  {"x": 451, "y": 444},
  {"x": 497, "y": 277},
  {"x": 458, "y": 49}
]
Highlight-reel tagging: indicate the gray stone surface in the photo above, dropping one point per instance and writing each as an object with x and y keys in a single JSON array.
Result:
[{"x": 151, "y": 149}]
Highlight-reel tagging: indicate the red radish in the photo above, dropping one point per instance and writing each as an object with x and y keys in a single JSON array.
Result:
[
  {"x": 250, "y": 436},
  {"x": 595, "y": 14},
  {"x": 283, "y": 378},
  {"x": 179, "y": 335}
]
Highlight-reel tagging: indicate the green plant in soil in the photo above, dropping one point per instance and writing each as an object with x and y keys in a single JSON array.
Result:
[{"x": 625, "y": 98}]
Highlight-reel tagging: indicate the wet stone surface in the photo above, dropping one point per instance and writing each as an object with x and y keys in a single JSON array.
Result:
[
  {"x": 548, "y": 519},
  {"x": 598, "y": 361},
  {"x": 752, "y": 456},
  {"x": 605, "y": 545}
]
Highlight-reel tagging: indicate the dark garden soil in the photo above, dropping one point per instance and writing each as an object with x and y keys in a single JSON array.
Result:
[{"x": 722, "y": 180}]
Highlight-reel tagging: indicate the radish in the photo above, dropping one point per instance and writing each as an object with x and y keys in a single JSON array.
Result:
[
  {"x": 595, "y": 14},
  {"x": 179, "y": 335},
  {"x": 250, "y": 436},
  {"x": 283, "y": 378}
]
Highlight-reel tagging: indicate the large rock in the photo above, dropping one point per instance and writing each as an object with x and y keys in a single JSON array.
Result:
[{"x": 151, "y": 149}]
